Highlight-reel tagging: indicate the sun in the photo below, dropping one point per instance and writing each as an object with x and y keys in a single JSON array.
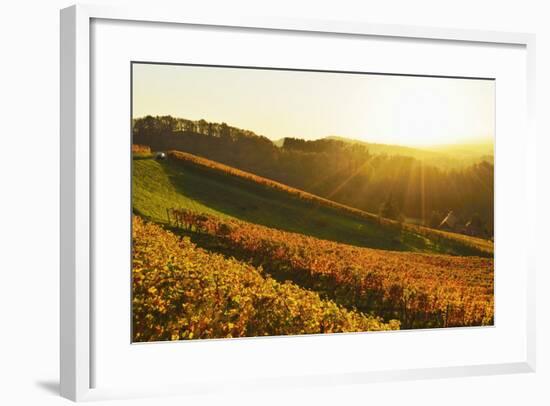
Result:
[{"x": 423, "y": 111}]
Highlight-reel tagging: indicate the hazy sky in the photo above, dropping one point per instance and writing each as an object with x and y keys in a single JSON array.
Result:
[{"x": 276, "y": 104}]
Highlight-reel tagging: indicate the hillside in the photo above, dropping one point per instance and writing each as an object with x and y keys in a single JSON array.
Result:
[
  {"x": 420, "y": 290},
  {"x": 377, "y": 148},
  {"x": 205, "y": 295},
  {"x": 188, "y": 182},
  {"x": 424, "y": 185}
]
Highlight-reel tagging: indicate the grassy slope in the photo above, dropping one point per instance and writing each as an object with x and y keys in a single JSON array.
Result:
[{"x": 158, "y": 185}]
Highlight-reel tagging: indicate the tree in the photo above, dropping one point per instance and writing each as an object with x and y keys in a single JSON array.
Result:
[
  {"x": 224, "y": 130},
  {"x": 389, "y": 209},
  {"x": 189, "y": 126},
  {"x": 435, "y": 219},
  {"x": 476, "y": 221},
  {"x": 202, "y": 126}
]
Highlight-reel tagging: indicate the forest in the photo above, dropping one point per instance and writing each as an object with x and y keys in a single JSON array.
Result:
[{"x": 396, "y": 185}]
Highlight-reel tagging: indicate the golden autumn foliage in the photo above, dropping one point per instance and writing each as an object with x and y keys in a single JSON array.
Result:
[
  {"x": 140, "y": 149},
  {"x": 183, "y": 292},
  {"x": 421, "y": 290}
]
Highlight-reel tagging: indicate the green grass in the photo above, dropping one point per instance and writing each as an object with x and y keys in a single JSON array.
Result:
[{"x": 159, "y": 185}]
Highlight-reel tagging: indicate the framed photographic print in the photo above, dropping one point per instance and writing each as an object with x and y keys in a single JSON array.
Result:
[{"x": 272, "y": 202}]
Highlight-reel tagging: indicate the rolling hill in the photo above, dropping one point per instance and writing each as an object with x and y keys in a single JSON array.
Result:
[
  {"x": 365, "y": 176},
  {"x": 443, "y": 156},
  {"x": 189, "y": 182}
]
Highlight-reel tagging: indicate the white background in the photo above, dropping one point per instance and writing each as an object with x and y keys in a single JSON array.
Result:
[{"x": 29, "y": 168}]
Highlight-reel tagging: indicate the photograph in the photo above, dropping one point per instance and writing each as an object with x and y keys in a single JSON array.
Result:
[
  {"x": 275, "y": 203},
  {"x": 279, "y": 201}
]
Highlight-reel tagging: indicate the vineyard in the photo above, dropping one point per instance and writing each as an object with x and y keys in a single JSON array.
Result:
[
  {"x": 159, "y": 185},
  {"x": 219, "y": 252},
  {"x": 183, "y": 292},
  {"x": 420, "y": 290},
  {"x": 472, "y": 245}
]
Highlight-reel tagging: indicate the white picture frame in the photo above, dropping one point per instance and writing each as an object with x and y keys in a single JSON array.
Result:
[{"x": 77, "y": 356}]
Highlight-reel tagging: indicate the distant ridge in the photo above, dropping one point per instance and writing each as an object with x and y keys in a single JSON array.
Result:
[
  {"x": 377, "y": 148},
  {"x": 440, "y": 155}
]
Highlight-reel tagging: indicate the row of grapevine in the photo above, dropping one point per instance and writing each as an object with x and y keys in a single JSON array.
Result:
[
  {"x": 141, "y": 149},
  {"x": 421, "y": 290},
  {"x": 183, "y": 292}
]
